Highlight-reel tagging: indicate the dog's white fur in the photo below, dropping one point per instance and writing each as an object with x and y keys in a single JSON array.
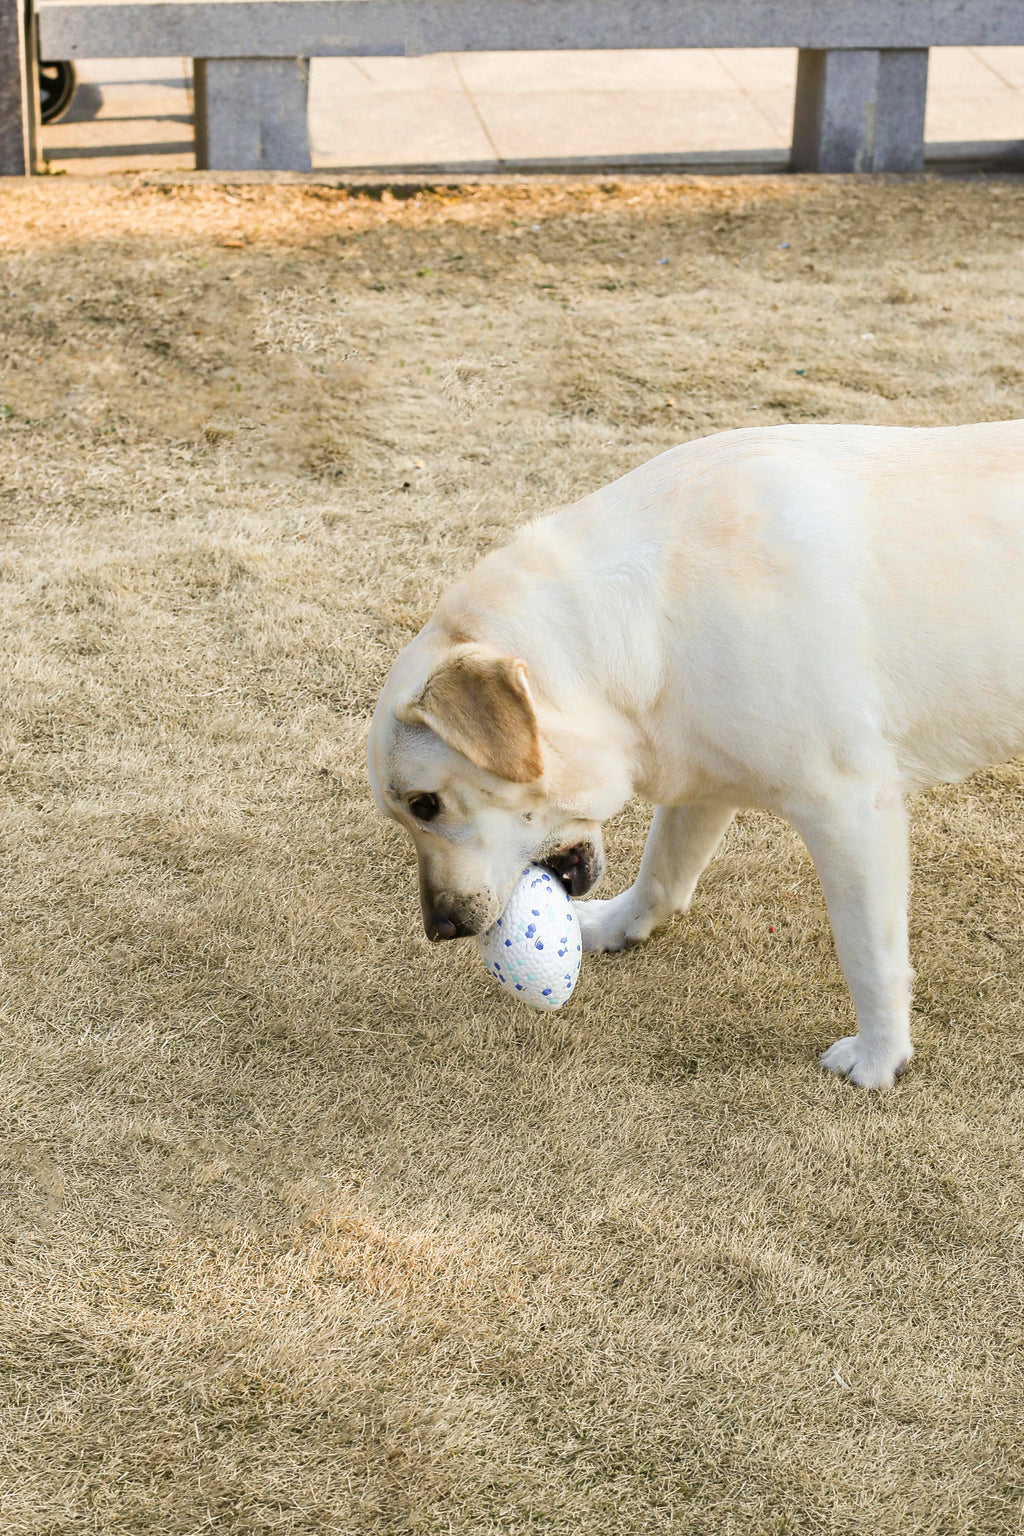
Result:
[{"x": 811, "y": 620}]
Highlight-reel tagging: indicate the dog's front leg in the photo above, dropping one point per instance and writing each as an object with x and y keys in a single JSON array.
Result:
[
  {"x": 859, "y": 846},
  {"x": 680, "y": 843}
]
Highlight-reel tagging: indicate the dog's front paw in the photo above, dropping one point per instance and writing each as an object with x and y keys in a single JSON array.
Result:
[
  {"x": 868, "y": 1069},
  {"x": 614, "y": 924}
]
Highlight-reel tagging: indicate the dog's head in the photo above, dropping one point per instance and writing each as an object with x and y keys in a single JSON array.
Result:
[{"x": 458, "y": 757}]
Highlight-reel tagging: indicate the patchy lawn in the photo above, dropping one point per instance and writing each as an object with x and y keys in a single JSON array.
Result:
[{"x": 307, "y": 1228}]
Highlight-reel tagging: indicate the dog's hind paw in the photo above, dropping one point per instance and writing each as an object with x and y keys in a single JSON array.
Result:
[
  {"x": 613, "y": 924},
  {"x": 867, "y": 1069}
]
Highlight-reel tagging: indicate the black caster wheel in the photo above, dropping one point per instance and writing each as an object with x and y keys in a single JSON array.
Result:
[{"x": 56, "y": 87}]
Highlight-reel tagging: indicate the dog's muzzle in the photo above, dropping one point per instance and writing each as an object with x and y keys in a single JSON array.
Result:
[
  {"x": 448, "y": 915},
  {"x": 577, "y": 869},
  {"x": 439, "y": 926}
]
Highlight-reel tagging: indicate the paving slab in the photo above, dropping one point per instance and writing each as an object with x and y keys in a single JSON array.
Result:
[
  {"x": 975, "y": 93},
  {"x": 551, "y": 106},
  {"x": 549, "y": 124},
  {"x": 486, "y": 108},
  {"x": 349, "y": 127}
]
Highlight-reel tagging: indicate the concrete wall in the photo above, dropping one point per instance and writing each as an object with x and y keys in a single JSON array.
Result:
[{"x": 860, "y": 89}]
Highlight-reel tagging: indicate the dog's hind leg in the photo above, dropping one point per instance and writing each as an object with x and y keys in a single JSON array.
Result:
[
  {"x": 680, "y": 843},
  {"x": 858, "y": 842}
]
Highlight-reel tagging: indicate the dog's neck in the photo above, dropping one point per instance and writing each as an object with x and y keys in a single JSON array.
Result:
[{"x": 590, "y": 759}]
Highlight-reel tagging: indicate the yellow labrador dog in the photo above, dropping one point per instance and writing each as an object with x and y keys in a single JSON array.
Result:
[{"x": 813, "y": 620}]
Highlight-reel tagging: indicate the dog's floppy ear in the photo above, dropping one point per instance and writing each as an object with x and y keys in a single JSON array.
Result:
[{"x": 479, "y": 703}]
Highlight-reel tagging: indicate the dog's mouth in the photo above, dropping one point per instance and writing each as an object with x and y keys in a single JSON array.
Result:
[{"x": 578, "y": 868}]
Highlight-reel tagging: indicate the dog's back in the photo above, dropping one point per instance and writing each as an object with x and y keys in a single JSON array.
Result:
[{"x": 893, "y": 557}]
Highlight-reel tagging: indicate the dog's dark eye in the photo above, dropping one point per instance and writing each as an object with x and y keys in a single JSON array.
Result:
[{"x": 425, "y": 807}]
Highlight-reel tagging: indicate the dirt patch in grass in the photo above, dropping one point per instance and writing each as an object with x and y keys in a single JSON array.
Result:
[{"x": 305, "y": 1229}]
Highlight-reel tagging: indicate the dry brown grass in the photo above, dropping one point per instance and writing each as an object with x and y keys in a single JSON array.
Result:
[{"x": 307, "y": 1230}]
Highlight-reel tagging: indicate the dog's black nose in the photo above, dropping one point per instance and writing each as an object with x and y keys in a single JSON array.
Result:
[
  {"x": 446, "y": 923},
  {"x": 439, "y": 927}
]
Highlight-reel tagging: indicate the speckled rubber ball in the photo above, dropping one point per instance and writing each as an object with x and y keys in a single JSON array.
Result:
[{"x": 535, "y": 948}]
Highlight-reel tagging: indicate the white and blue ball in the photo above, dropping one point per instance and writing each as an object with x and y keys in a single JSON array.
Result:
[{"x": 535, "y": 948}]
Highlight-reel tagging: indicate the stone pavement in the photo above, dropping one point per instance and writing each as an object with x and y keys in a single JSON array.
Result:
[{"x": 484, "y": 111}]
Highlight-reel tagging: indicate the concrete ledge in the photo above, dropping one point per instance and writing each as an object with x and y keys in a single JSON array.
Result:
[
  {"x": 731, "y": 162},
  {"x": 1003, "y": 157},
  {"x": 321, "y": 28}
]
